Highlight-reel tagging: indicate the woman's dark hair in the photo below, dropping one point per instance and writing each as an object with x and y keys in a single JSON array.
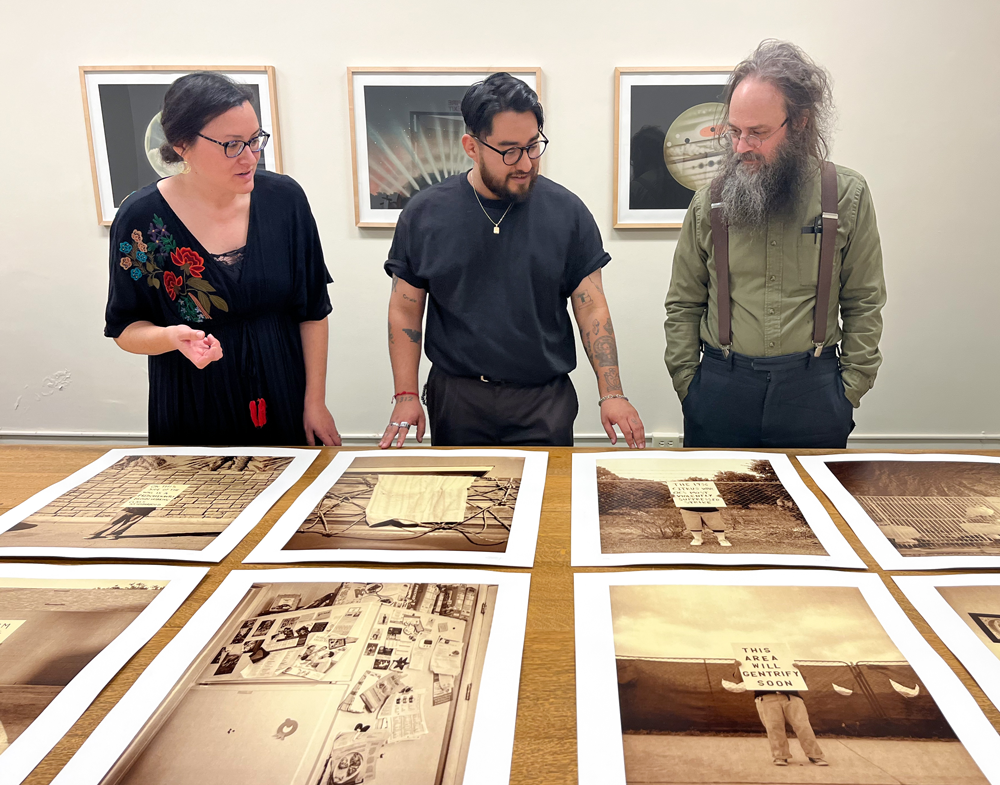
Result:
[
  {"x": 191, "y": 103},
  {"x": 497, "y": 93}
]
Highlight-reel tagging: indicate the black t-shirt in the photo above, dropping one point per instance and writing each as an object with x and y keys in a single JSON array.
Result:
[{"x": 497, "y": 302}]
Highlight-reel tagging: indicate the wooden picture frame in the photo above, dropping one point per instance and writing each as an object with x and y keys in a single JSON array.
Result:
[
  {"x": 677, "y": 97},
  {"x": 403, "y": 169},
  {"x": 146, "y": 84}
]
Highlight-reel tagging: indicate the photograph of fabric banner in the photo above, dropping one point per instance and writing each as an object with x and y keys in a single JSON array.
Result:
[{"x": 418, "y": 499}]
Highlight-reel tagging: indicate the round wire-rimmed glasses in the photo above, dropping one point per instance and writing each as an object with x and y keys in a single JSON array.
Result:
[
  {"x": 513, "y": 154},
  {"x": 234, "y": 148}
]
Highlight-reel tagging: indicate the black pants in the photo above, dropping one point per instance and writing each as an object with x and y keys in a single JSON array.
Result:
[
  {"x": 795, "y": 400},
  {"x": 468, "y": 412}
]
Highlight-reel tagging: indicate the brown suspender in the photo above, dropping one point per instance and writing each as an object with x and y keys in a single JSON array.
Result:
[{"x": 828, "y": 239}]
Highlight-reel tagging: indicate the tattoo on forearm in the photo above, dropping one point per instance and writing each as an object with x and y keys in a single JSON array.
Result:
[
  {"x": 606, "y": 351},
  {"x": 584, "y": 297},
  {"x": 413, "y": 335},
  {"x": 597, "y": 327},
  {"x": 608, "y": 327},
  {"x": 392, "y": 340},
  {"x": 585, "y": 338},
  {"x": 405, "y": 398},
  {"x": 613, "y": 380}
]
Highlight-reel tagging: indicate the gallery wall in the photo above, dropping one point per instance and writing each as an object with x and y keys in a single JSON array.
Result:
[{"x": 918, "y": 116}]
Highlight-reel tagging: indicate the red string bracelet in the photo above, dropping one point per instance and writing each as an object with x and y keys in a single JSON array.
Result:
[{"x": 401, "y": 393}]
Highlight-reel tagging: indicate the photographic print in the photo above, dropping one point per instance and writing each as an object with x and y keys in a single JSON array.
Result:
[
  {"x": 766, "y": 677},
  {"x": 705, "y": 507},
  {"x": 472, "y": 506},
  {"x": 964, "y": 610},
  {"x": 122, "y": 106},
  {"x": 187, "y": 503},
  {"x": 667, "y": 142},
  {"x": 406, "y": 132},
  {"x": 327, "y": 708},
  {"x": 64, "y": 634},
  {"x": 917, "y": 512}
]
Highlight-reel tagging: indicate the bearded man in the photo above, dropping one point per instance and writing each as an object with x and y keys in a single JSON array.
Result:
[
  {"x": 495, "y": 252},
  {"x": 764, "y": 266}
]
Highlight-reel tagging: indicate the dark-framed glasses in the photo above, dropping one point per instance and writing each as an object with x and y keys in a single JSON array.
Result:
[
  {"x": 513, "y": 154},
  {"x": 234, "y": 148},
  {"x": 753, "y": 141}
]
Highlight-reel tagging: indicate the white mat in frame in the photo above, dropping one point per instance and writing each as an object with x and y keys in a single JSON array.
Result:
[
  {"x": 951, "y": 626},
  {"x": 217, "y": 548},
  {"x": 586, "y": 540},
  {"x": 884, "y": 552},
  {"x": 520, "y": 551},
  {"x": 601, "y": 756},
  {"x": 492, "y": 740},
  {"x": 72, "y": 701}
]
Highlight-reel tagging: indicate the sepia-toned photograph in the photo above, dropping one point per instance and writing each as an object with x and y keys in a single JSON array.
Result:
[
  {"x": 765, "y": 678},
  {"x": 406, "y": 132},
  {"x": 140, "y": 503},
  {"x": 55, "y": 621},
  {"x": 940, "y": 509},
  {"x": 313, "y": 701},
  {"x": 964, "y": 610},
  {"x": 478, "y": 506},
  {"x": 710, "y": 507}
]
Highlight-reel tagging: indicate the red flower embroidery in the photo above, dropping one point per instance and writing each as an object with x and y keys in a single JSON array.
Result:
[
  {"x": 258, "y": 412},
  {"x": 172, "y": 283},
  {"x": 183, "y": 256}
]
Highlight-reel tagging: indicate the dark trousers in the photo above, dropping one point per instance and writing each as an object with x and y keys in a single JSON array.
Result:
[
  {"x": 467, "y": 412},
  {"x": 795, "y": 400}
]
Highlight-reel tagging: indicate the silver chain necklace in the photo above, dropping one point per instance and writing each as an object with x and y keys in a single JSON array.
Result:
[{"x": 496, "y": 224}]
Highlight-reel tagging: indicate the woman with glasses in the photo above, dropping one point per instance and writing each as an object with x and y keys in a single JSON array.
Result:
[{"x": 217, "y": 275}]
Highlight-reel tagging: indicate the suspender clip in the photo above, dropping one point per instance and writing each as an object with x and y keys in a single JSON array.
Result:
[
  {"x": 819, "y": 349},
  {"x": 725, "y": 350}
]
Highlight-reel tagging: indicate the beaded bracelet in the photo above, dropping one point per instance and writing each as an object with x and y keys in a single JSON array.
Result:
[
  {"x": 394, "y": 397},
  {"x": 609, "y": 397}
]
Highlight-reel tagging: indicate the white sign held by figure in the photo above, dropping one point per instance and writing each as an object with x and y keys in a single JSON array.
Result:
[
  {"x": 695, "y": 493},
  {"x": 768, "y": 667},
  {"x": 156, "y": 496}
]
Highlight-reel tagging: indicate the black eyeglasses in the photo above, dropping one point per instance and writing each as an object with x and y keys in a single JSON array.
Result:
[
  {"x": 513, "y": 154},
  {"x": 753, "y": 141},
  {"x": 234, "y": 148}
]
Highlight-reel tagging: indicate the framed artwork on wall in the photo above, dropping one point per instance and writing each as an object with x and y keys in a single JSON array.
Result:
[
  {"x": 666, "y": 141},
  {"x": 406, "y": 132},
  {"x": 121, "y": 107}
]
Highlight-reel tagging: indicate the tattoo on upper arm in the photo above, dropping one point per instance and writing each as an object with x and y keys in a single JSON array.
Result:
[
  {"x": 584, "y": 297},
  {"x": 392, "y": 340},
  {"x": 613, "y": 380},
  {"x": 606, "y": 351},
  {"x": 608, "y": 327},
  {"x": 413, "y": 335},
  {"x": 593, "y": 280},
  {"x": 395, "y": 280},
  {"x": 408, "y": 298}
]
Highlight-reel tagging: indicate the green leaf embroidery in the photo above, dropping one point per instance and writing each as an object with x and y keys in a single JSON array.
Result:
[
  {"x": 205, "y": 304},
  {"x": 154, "y": 282},
  {"x": 219, "y": 303},
  {"x": 200, "y": 284},
  {"x": 158, "y": 221},
  {"x": 150, "y": 268}
]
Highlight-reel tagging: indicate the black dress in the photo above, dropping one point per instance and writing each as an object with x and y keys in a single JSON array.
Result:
[{"x": 160, "y": 273}]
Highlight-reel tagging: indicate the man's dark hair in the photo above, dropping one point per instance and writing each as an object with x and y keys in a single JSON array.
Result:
[
  {"x": 191, "y": 103},
  {"x": 804, "y": 85},
  {"x": 497, "y": 93}
]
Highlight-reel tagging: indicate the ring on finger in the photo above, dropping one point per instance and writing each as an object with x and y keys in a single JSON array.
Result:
[
  {"x": 404, "y": 425},
  {"x": 394, "y": 424}
]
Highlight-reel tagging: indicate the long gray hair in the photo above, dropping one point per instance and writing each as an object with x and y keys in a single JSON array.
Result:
[{"x": 804, "y": 85}]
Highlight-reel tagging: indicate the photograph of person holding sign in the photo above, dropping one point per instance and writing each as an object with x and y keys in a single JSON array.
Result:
[{"x": 699, "y": 503}]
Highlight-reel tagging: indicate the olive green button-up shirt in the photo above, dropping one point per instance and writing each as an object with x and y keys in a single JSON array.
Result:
[{"x": 772, "y": 278}]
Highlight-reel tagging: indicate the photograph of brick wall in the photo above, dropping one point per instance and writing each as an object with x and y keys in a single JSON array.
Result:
[
  {"x": 647, "y": 507},
  {"x": 151, "y": 501}
]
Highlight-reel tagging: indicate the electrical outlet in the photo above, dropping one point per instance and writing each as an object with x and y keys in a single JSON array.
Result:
[{"x": 664, "y": 441}]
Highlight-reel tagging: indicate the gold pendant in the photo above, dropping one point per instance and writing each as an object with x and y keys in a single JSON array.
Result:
[{"x": 496, "y": 230}]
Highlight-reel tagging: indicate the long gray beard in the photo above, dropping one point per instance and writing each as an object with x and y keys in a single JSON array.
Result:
[{"x": 751, "y": 197}]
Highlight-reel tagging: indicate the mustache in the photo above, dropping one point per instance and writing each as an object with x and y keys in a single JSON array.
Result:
[{"x": 750, "y": 155}]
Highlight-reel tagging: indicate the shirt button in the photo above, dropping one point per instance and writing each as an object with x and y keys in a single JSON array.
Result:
[
  {"x": 770, "y": 311},
  {"x": 774, "y": 242},
  {"x": 771, "y": 345},
  {"x": 771, "y": 278}
]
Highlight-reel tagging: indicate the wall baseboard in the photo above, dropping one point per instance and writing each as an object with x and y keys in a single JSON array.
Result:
[{"x": 862, "y": 441}]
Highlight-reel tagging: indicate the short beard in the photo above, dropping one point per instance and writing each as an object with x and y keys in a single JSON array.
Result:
[
  {"x": 751, "y": 196},
  {"x": 499, "y": 187}
]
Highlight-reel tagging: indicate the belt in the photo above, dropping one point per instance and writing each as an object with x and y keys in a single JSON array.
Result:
[{"x": 780, "y": 363}]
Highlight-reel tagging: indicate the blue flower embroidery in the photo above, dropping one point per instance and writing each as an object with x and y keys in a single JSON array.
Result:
[
  {"x": 125, "y": 247},
  {"x": 136, "y": 272},
  {"x": 141, "y": 256}
]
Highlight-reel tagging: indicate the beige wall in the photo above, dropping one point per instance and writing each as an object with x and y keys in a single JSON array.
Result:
[{"x": 919, "y": 117}]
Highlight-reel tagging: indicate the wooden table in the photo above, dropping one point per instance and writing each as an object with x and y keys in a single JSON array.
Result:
[{"x": 545, "y": 739}]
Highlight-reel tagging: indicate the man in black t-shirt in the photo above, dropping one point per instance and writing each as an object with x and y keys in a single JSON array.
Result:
[{"x": 495, "y": 253}]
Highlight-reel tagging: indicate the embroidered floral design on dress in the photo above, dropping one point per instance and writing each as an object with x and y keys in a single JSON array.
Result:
[{"x": 195, "y": 297}]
